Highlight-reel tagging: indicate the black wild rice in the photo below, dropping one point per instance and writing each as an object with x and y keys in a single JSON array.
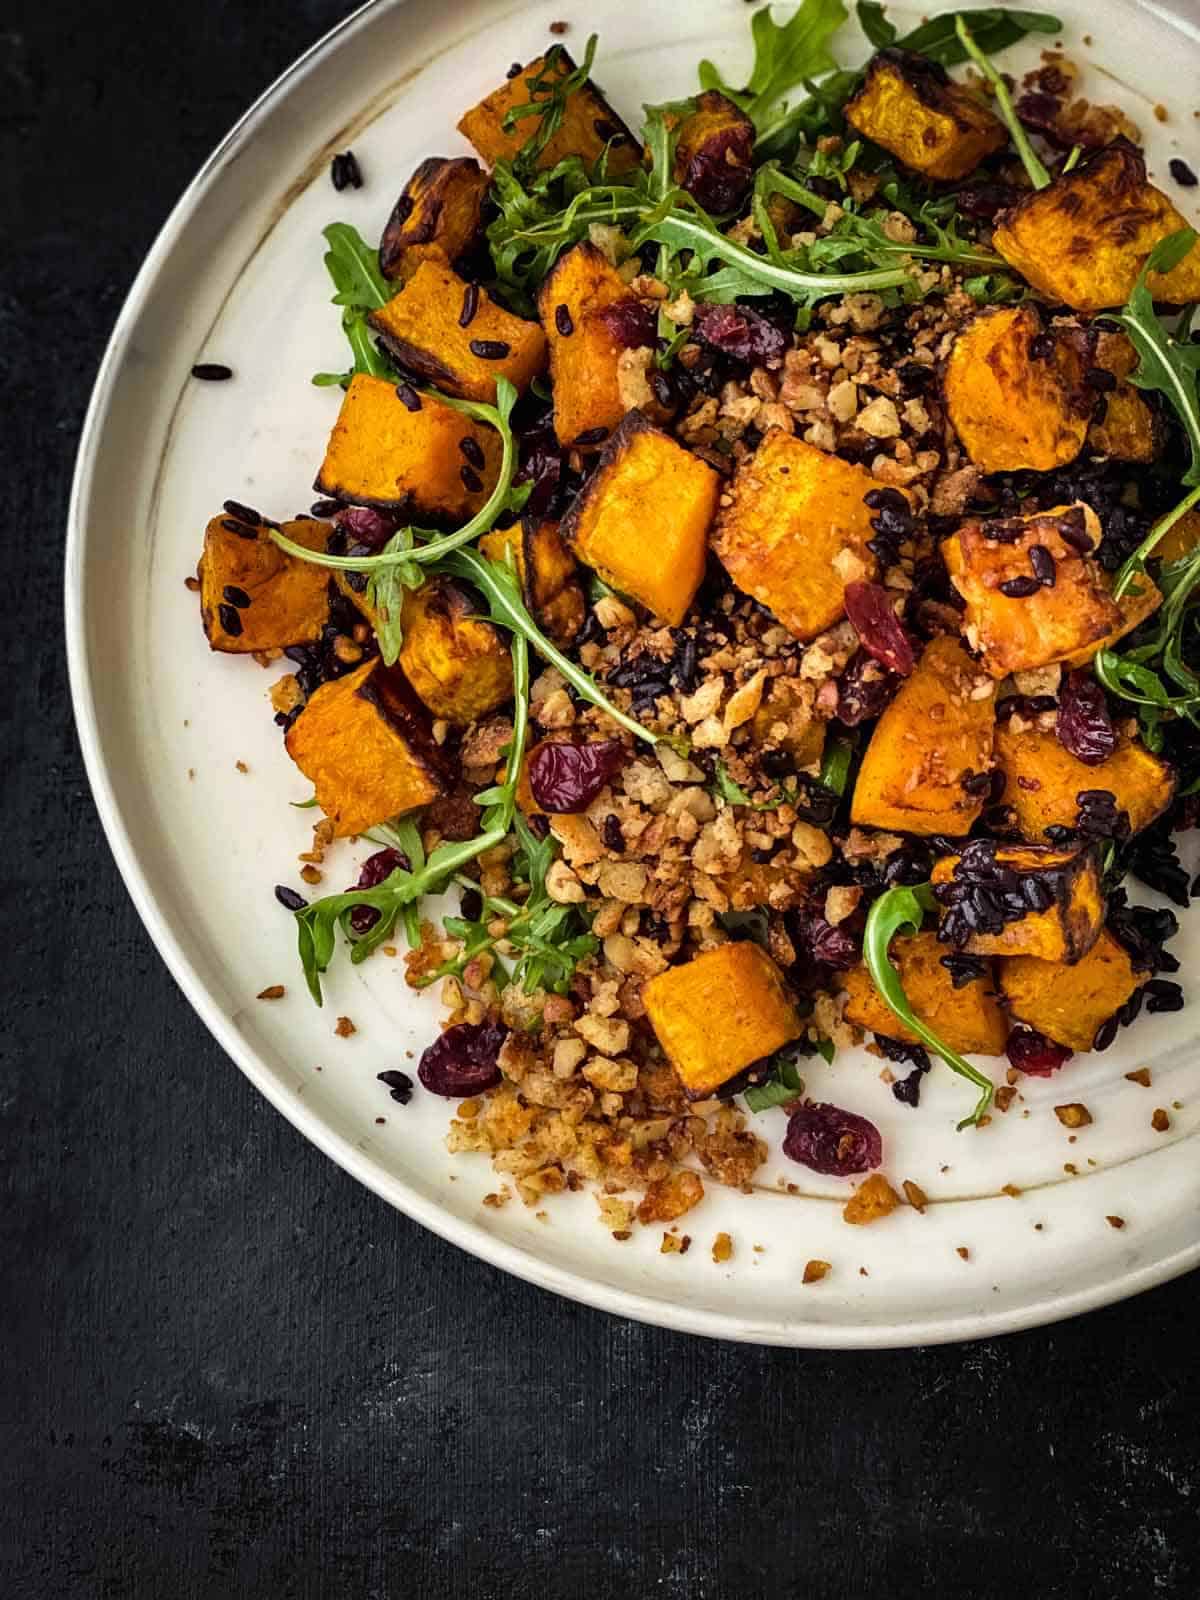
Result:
[
  {"x": 400, "y": 1084},
  {"x": 408, "y": 397},
  {"x": 289, "y": 899},
  {"x": 563, "y": 322},
  {"x": 230, "y": 620},
  {"x": 487, "y": 349},
  {"x": 1182, "y": 173},
  {"x": 472, "y": 482},
  {"x": 470, "y": 306},
  {"x": 1042, "y": 562},
  {"x": 243, "y": 513},
  {"x": 240, "y": 528},
  {"x": 212, "y": 371},
  {"x": 325, "y": 508},
  {"x": 592, "y": 436},
  {"x": 236, "y": 597},
  {"x": 472, "y": 450},
  {"x": 345, "y": 172},
  {"x": 1020, "y": 588}
]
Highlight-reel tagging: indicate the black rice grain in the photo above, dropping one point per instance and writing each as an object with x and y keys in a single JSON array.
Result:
[
  {"x": 400, "y": 1084},
  {"x": 230, "y": 621},
  {"x": 472, "y": 450},
  {"x": 563, "y": 322},
  {"x": 592, "y": 436},
  {"x": 345, "y": 172},
  {"x": 408, "y": 397},
  {"x": 466, "y": 316},
  {"x": 472, "y": 482},
  {"x": 1042, "y": 562},
  {"x": 289, "y": 899},
  {"x": 1182, "y": 173},
  {"x": 212, "y": 371},
  {"x": 236, "y": 597},
  {"x": 1020, "y": 588},
  {"x": 485, "y": 349}
]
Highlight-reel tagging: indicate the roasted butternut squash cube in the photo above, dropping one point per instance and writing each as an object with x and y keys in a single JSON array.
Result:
[
  {"x": 1012, "y": 406},
  {"x": 1134, "y": 606},
  {"x": 1013, "y": 620},
  {"x": 366, "y": 744},
  {"x": 589, "y": 125},
  {"x": 1069, "y": 1004},
  {"x": 642, "y": 518},
  {"x": 910, "y": 106},
  {"x": 1083, "y": 240},
  {"x": 1065, "y": 884},
  {"x": 714, "y": 153},
  {"x": 931, "y": 740},
  {"x": 438, "y": 217},
  {"x": 719, "y": 1012},
  {"x": 1180, "y": 539},
  {"x": 968, "y": 1018},
  {"x": 795, "y": 531},
  {"x": 456, "y": 662},
  {"x": 1043, "y": 781},
  {"x": 585, "y": 349},
  {"x": 423, "y": 328},
  {"x": 382, "y": 454},
  {"x": 253, "y": 596},
  {"x": 549, "y": 574}
]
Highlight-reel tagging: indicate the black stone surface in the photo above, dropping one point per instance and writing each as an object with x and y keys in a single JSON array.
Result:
[{"x": 226, "y": 1370}]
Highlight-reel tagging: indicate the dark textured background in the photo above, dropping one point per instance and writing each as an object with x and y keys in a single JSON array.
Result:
[{"x": 228, "y": 1371}]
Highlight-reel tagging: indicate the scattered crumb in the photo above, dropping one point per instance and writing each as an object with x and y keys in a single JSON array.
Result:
[
  {"x": 915, "y": 1195},
  {"x": 273, "y": 991},
  {"x": 675, "y": 1244},
  {"x": 1142, "y": 1076},
  {"x": 961, "y": 1250},
  {"x": 863, "y": 1273},
  {"x": 722, "y": 1247},
  {"x": 615, "y": 1215},
  {"x": 193, "y": 584},
  {"x": 381, "y": 1120},
  {"x": 1010, "y": 1189},
  {"x": 241, "y": 766},
  {"x": 1073, "y": 1115},
  {"x": 389, "y": 950},
  {"x": 559, "y": 27},
  {"x": 814, "y": 1271},
  {"x": 874, "y": 1198},
  {"x": 1177, "y": 1105},
  {"x": 1038, "y": 1226},
  {"x": 1004, "y": 1096},
  {"x": 1115, "y": 1222},
  {"x": 191, "y": 772},
  {"x": 1160, "y": 1121},
  {"x": 1069, "y": 1166},
  {"x": 1160, "y": 113},
  {"x": 622, "y": 1234},
  {"x": 542, "y": 1216},
  {"x": 468, "y": 1110},
  {"x": 758, "y": 1249},
  {"x": 498, "y": 1198},
  {"x": 344, "y": 1028},
  {"x": 311, "y": 874}
]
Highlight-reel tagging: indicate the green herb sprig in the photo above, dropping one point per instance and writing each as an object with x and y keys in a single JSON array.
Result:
[
  {"x": 902, "y": 910},
  {"x": 549, "y": 90},
  {"x": 360, "y": 289},
  {"x": 1038, "y": 175}
]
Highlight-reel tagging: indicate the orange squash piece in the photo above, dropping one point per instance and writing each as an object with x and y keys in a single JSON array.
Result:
[
  {"x": 795, "y": 531},
  {"x": 1016, "y": 633},
  {"x": 968, "y": 1019},
  {"x": 1043, "y": 781},
  {"x": 438, "y": 217},
  {"x": 718, "y": 1012},
  {"x": 1129, "y": 430},
  {"x": 910, "y": 106},
  {"x": 642, "y": 518},
  {"x": 423, "y": 328},
  {"x": 456, "y": 662},
  {"x": 1068, "y": 1004},
  {"x": 1070, "y": 925},
  {"x": 936, "y": 733},
  {"x": 589, "y": 125},
  {"x": 365, "y": 743},
  {"x": 253, "y": 596},
  {"x": 584, "y": 350},
  {"x": 1083, "y": 240},
  {"x": 1014, "y": 408},
  {"x": 382, "y": 454},
  {"x": 549, "y": 574}
]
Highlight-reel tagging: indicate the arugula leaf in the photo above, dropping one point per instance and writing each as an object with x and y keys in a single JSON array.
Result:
[
  {"x": 1165, "y": 363},
  {"x": 836, "y": 761},
  {"x": 784, "y": 56},
  {"x": 902, "y": 910},
  {"x": 874, "y": 24},
  {"x": 783, "y": 1082},
  {"x": 1038, "y": 175},
  {"x": 732, "y": 793},
  {"x": 993, "y": 28},
  {"x": 360, "y": 288}
]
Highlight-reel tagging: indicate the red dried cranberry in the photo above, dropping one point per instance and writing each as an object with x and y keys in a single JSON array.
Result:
[
  {"x": 818, "y": 940},
  {"x": 835, "y": 1142},
  {"x": 722, "y": 169},
  {"x": 362, "y": 525},
  {"x": 876, "y": 624},
  {"x": 568, "y": 777},
  {"x": 740, "y": 333},
  {"x": 1031, "y": 1052},
  {"x": 463, "y": 1061},
  {"x": 373, "y": 872},
  {"x": 1084, "y": 725},
  {"x": 864, "y": 689},
  {"x": 629, "y": 322}
]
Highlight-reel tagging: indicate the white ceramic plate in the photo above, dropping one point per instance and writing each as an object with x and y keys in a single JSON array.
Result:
[{"x": 236, "y": 276}]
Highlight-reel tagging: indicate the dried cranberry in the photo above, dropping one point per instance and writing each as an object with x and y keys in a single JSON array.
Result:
[
  {"x": 870, "y": 611},
  {"x": 818, "y": 940},
  {"x": 741, "y": 333},
  {"x": 362, "y": 525},
  {"x": 1084, "y": 725},
  {"x": 463, "y": 1061},
  {"x": 864, "y": 690},
  {"x": 835, "y": 1142},
  {"x": 1031, "y": 1052},
  {"x": 373, "y": 872},
  {"x": 721, "y": 170},
  {"x": 568, "y": 777},
  {"x": 630, "y": 322}
]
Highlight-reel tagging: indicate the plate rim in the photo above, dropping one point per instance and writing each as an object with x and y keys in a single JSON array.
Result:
[{"x": 395, "y": 1190}]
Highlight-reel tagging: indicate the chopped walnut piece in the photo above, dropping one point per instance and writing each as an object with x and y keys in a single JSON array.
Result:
[
  {"x": 1142, "y": 1076},
  {"x": 274, "y": 991},
  {"x": 1115, "y": 1222},
  {"x": 344, "y": 1028},
  {"x": 669, "y": 1198},
  {"x": 874, "y": 1198},
  {"x": 1004, "y": 1096},
  {"x": 722, "y": 1247},
  {"x": 1073, "y": 1115},
  {"x": 961, "y": 1250},
  {"x": 915, "y": 1195},
  {"x": 615, "y": 1215},
  {"x": 1160, "y": 1121},
  {"x": 814, "y": 1271}
]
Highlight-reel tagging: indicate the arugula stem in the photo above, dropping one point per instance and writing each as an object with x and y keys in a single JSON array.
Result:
[
  {"x": 902, "y": 910},
  {"x": 1134, "y": 564},
  {"x": 1038, "y": 175}
]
